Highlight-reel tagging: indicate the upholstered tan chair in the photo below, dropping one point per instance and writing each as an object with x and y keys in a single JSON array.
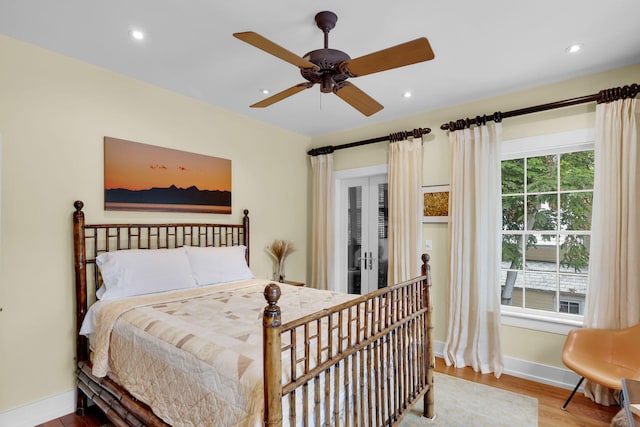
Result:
[{"x": 603, "y": 356}]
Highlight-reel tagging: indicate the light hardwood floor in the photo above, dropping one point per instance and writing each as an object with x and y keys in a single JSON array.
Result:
[{"x": 580, "y": 412}]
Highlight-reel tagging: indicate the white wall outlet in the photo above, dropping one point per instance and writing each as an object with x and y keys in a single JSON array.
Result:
[{"x": 428, "y": 245}]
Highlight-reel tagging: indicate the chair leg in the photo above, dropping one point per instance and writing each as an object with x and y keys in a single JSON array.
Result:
[{"x": 572, "y": 393}]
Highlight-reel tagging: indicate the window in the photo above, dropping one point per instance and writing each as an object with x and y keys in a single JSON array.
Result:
[
  {"x": 572, "y": 307},
  {"x": 547, "y": 195}
]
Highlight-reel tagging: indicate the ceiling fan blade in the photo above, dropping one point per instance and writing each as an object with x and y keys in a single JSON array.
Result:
[
  {"x": 355, "y": 97},
  {"x": 256, "y": 40},
  {"x": 408, "y": 53},
  {"x": 281, "y": 95}
]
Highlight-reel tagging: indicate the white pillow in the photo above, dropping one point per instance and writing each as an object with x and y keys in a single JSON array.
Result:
[
  {"x": 143, "y": 271},
  {"x": 218, "y": 264}
]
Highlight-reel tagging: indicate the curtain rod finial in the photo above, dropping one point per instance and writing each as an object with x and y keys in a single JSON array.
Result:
[
  {"x": 321, "y": 150},
  {"x": 417, "y": 133}
]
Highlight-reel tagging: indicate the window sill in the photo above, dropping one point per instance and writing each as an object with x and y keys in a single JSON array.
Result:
[{"x": 539, "y": 320}]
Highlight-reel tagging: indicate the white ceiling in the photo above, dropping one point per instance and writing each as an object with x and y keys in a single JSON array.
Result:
[{"x": 482, "y": 48}]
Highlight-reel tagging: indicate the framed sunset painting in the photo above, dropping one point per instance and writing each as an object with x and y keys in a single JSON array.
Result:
[{"x": 142, "y": 177}]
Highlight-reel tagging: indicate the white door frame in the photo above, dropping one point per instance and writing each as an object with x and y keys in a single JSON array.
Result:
[{"x": 340, "y": 255}]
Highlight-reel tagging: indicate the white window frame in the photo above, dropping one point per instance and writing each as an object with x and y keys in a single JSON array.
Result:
[{"x": 563, "y": 142}]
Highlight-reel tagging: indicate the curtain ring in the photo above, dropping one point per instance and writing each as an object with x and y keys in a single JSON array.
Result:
[
  {"x": 624, "y": 92},
  {"x": 608, "y": 95},
  {"x": 615, "y": 93}
]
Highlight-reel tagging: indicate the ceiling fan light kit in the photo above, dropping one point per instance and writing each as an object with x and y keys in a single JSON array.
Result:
[{"x": 330, "y": 68}]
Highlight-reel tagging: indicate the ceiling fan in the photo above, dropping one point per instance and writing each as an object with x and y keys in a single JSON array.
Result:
[{"x": 331, "y": 68}]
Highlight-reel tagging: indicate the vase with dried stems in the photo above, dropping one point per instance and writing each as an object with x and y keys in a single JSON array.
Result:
[{"x": 279, "y": 251}]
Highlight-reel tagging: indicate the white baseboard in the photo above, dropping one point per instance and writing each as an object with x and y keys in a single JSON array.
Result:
[
  {"x": 65, "y": 403},
  {"x": 41, "y": 411},
  {"x": 551, "y": 375}
]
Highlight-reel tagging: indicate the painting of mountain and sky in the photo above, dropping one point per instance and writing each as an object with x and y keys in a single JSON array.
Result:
[{"x": 141, "y": 177}]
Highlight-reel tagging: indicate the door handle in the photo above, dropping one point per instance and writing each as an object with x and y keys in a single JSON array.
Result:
[{"x": 368, "y": 260}]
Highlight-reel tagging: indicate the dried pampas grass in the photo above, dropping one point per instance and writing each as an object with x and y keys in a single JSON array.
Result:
[{"x": 279, "y": 251}]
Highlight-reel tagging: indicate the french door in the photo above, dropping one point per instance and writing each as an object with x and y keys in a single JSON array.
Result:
[{"x": 362, "y": 234}]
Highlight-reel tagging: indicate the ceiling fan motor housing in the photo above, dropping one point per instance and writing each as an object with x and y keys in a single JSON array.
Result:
[{"x": 328, "y": 62}]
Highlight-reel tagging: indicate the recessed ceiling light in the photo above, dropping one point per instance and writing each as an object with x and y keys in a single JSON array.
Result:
[
  {"x": 265, "y": 91},
  {"x": 406, "y": 94},
  {"x": 136, "y": 34},
  {"x": 574, "y": 48}
]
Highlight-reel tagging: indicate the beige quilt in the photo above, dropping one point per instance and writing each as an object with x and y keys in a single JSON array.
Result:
[{"x": 195, "y": 356}]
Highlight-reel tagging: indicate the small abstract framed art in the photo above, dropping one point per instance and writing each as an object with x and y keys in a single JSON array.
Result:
[{"x": 435, "y": 203}]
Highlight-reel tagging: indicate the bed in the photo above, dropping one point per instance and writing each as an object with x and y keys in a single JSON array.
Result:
[{"x": 265, "y": 353}]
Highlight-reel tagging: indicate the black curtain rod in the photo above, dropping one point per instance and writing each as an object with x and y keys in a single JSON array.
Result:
[
  {"x": 397, "y": 136},
  {"x": 606, "y": 95}
]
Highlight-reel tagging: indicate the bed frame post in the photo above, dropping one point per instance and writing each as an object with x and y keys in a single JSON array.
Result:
[
  {"x": 429, "y": 359},
  {"x": 245, "y": 226},
  {"x": 79, "y": 263},
  {"x": 272, "y": 353}
]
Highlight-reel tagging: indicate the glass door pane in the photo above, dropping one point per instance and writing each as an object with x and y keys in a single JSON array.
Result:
[
  {"x": 354, "y": 239},
  {"x": 382, "y": 217}
]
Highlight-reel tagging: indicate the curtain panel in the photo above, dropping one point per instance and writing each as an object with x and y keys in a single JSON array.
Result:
[
  {"x": 473, "y": 335},
  {"x": 405, "y": 209},
  {"x": 322, "y": 221},
  {"x": 613, "y": 297}
]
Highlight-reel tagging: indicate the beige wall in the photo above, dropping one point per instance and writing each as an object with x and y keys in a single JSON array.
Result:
[
  {"x": 534, "y": 346},
  {"x": 54, "y": 113}
]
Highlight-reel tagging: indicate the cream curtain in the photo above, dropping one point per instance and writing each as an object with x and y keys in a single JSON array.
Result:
[
  {"x": 405, "y": 209},
  {"x": 473, "y": 336},
  {"x": 613, "y": 298},
  {"x": 322, "y": 221}
]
